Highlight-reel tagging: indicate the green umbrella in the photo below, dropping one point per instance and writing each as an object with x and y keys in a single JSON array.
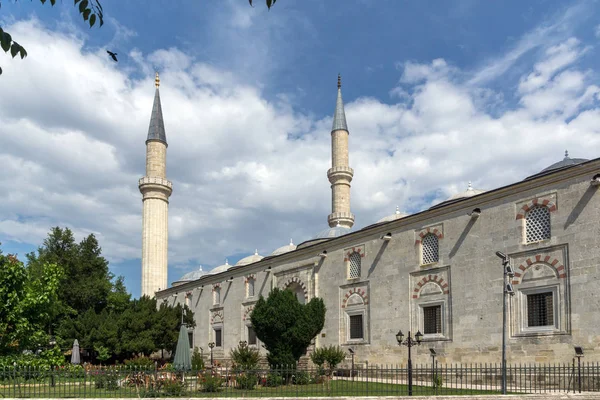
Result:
[{"x": 182, "y": 352}]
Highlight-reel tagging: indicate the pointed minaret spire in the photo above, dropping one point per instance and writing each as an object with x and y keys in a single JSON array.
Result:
[
  {"x": 156, "y": 131},
  {"x": 340, "y": 174},
  {"x": 155, "y": 189},
  {"x": 339, "y": 116}
]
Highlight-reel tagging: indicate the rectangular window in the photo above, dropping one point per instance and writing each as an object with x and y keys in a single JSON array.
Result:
[
  {"x": 251, "y": 336},
  {"x": 540, "y": 309},
  {"x": 216, "y": 295},
  {"x": 218, "y": 337},
  {"x": 191, "y": 339},
  {"x": 356, "y": 326},
  {"x": 432, "y": 320},
  {"x": 250, "y": 287}
]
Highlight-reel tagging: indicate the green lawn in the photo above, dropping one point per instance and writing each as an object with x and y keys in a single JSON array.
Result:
[{"x": 335, "y": 388}]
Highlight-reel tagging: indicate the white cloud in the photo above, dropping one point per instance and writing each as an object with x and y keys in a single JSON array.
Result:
[{"x": 250, "y": 173}]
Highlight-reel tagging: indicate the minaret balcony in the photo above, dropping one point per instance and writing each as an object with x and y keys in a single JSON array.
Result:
[
  {"x": 155, "y": 180},
  {"x": 340, "y": 172},
  {"x": 344, "y": 218}
]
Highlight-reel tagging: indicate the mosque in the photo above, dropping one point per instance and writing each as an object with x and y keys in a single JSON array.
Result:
[{"x": 438, "y": 271}]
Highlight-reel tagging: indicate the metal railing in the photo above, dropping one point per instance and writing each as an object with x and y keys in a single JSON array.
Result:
[{"x": 480, "y": 379}]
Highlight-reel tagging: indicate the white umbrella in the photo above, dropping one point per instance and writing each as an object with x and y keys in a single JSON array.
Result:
[{"x": 75, "y": 353}]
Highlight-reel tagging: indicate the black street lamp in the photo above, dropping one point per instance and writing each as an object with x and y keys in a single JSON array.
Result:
[
  {"x": 433, "y": 354},
  {"x": 211, "y": 345},
  {"x": 351, "y": 351},
  {"x": 52, "y": 343},
  {"x": 409, "y": 342},
  {"x": 506, "y": 289}
]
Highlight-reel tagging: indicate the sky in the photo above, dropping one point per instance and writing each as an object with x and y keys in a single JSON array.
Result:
[{"x": 437, "y": 94}]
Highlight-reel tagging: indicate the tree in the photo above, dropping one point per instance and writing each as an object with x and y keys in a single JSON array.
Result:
[
  {"x": 285, "y": 326},
  {"x": 90, "y": 10},
  {"x": 25, "y": 300}
]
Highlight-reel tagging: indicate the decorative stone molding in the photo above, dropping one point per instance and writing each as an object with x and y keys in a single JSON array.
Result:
[
  {"x": 250, "y": 277},
  {"x": 355, "y": 291},
  {"x": 356, "y": 249},
  {"x": 216, "y": 286},
  {"x": 188, "y": 293},
  {"x": 217, "y": 317},
  {"x": 539, "y": 201},
  {"x": 554, "y": 264},
  {"x": 298, "y": 281},
  {"x": 431, "y": 279},
  {"x": 437, "y": 231},
  {"x": 247, "y": 312}
]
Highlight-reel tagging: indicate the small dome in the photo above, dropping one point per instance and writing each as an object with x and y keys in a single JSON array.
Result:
[
  {"x": 220, "y": 268},
  {"x": 565, "y": 162},
  {"x": 284, "y": 249},
  {"x": 329, "y": 233},
  {"x": 250, "y": 259},
  {"x": 190, "y": 276},
  {"x": 470, "y": 192},
  {"x": 394, "y": 216}
]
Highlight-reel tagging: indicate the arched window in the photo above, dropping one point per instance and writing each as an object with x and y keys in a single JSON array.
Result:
[
  {"x": 298, "y": 291},
  {"x": 430, "y": 249},
  {"x": 537, "y": 224},
  {"x": 354, "y": 267},
  {"x": 250, "y": 287},
  {"x": 216, "y": 295}
]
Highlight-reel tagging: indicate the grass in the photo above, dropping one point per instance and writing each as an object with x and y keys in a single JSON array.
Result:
[{"x": 335, "y": 388}]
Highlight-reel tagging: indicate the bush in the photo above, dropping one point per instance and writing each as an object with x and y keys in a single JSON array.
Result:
[
  {"x": 246, "y": 381},
  {"x": 141, "y": 362},
  {"x": 438, "y": 381},
  {"x": 173, "y": 388},
  {"x": 302, "y": 378},
  {"x": 333, "y": 355},
  {"x": 108, "y": 380},
  {"x": 273, "y": 379},
  {"x": 211, "y": 383},
  {"x": 244, "y": 358},
  {"x": 197, "y": 361}
]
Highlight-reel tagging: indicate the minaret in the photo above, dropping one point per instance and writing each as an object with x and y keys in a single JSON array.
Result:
[
  {"x": 340, "y": 174},
  {"x": 155, "y": 189}
]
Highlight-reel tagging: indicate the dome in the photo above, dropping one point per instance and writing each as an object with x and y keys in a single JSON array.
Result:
[
  {"x": 564, "y": 163},
  {"x": 190, "y": 276},
  {"x": 394, "y": 216},
  {"x": 284, "y": 249},
  {"x": 470, "y": 192},
  {"x": 250, "y": 259},
  {"x": 220, "y": 268},
  {"x": 329, "y": 233}
]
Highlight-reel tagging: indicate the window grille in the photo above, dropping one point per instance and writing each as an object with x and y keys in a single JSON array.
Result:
[
  {"x": 250, "y": 288},
  {"x": 540, "y": 309},
  {"x": 218, "y": 337},
  {"x": 355, "y": 261},
  {"x": 432, "y": 320},
  {"x": 430, "y": 249},
  {"x": 356, "y": 326},
  {"x": 537, "y": 224},
  {"x": 217, "y": 295},
  {"x": 251, "y": 335},
  {"x": 191, "y": 339}
]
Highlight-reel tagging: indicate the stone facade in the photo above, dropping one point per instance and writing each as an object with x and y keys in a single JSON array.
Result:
[{"x": 393, "y": 286}]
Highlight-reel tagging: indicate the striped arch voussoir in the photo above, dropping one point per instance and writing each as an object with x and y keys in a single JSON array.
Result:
[
  {"x": 357, "y": 291},
  {"x": 427, "y": 231},
  {"x": 539, "y": 259},
  {"x": 251, "y": 277},
  {"x": 247, "y": 312},
  {"x": 216, "y": 286},
  {"x": 353, "y": 250},
  {"x": 215, "y": 315},
  {"x": 299, "y": 282},
  {"x": 533, "y": 203},
  {"x": 438, "y": 280}
]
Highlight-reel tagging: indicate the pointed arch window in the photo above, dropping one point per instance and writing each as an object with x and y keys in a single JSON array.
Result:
[
  {"x": 537, "y": 224},
  {"x": 430, "y": 249}
]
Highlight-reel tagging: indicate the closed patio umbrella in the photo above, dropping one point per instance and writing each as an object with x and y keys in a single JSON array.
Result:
[
  {"x": 75, "y": 353},
  {"x": 182, "y": 351}
]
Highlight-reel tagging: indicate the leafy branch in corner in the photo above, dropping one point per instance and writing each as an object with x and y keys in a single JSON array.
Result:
[
  {"x": 90, "y": 10},
  {"x": 270, "y": 3}
]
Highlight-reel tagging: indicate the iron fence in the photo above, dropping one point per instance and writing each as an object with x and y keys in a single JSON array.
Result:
[{"x": 383, "y": 380}]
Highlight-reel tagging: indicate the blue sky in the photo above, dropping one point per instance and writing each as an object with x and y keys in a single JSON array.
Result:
[{"x": 248, "y": 96}]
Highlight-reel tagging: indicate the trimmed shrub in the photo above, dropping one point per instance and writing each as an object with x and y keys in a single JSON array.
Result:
[
  {"x": 273, "y": 379},
  {"x": 211, "y": 383},
  {"x": 197, "y": 361},
  {"x": 302, "y": 378},
  {"x": 246, "y": 381},
  {"x": 173, "y": 388}
]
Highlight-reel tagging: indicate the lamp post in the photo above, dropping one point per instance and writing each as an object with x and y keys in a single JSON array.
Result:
[
  {"x": 52, "y": 343},
  {"x": 433, "y": 354},
  {"x": 352, "y": 370},
  {"x": 506, "y": 289},
  {"x": 211, "y": 345},
  {"x": 409, "y": 342},
  {"x": 578, "y": 354}
]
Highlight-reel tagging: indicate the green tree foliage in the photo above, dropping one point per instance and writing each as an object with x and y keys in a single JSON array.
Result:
[
  {"x": 90, "y": 10},
  {"x": 25, "y": 299},
  {"x": 244, "y": 358},
  {"x": 332, "y": 355},
  {"x": 285, "y": 326}
]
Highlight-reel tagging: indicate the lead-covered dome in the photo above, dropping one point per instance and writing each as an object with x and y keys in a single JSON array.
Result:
[
  {"x": 566, "y": 162},
  {"x": 190, "y": 276},
  {"x": 470, "y": 192},
  {"x": 333, "y": 232},
  {"x": 220, "y": 268},
  {"x": 250, "y": 259},
  {"x": 284, "y": 249},
  {"x": 394, "y": 216}
]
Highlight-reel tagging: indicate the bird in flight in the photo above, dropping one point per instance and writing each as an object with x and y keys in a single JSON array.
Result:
[{"x": 112, "y": 55}]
